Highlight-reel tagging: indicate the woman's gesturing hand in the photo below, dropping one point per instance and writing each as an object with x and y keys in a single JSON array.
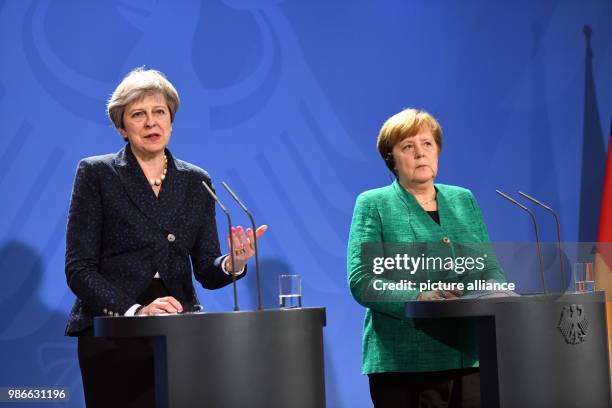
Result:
[
  {"x": 163, "y": 305},
  {"x": 244, "y": 246}
]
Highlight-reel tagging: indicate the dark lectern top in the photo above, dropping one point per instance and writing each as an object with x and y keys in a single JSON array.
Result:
[
  {"x": 270, "y": 358},
  {"x": 475, "y": 307},
  {"x": 168, "y": 325}
]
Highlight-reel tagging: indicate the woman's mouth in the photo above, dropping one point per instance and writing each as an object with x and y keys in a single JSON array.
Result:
[{"x": 153, "y": 137}]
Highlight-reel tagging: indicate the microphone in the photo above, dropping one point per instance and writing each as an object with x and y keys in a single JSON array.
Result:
[
  {"x": 559, "y": 250},
  {"x": 246, "y": 210},
  {"x": 229, "y": 225},
  {"x": 537, "y": 236}
]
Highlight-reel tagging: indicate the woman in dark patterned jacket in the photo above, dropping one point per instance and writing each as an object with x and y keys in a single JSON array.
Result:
[{"x": 137, "y": 218}]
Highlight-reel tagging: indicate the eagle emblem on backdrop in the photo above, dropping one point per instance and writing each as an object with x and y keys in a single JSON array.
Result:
[
  {"x": 244, "y": 78},
  {"x": 573, "y": 324}
]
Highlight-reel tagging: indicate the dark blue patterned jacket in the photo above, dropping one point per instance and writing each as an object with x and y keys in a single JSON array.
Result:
[{"x": 120, "y": 234}]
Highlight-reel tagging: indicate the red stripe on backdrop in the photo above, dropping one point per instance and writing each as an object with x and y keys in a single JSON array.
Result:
[
  {"x": 605, "y": 215},
  {"x": 603, "y": 258},
  {"x": 605, "y": 223}
]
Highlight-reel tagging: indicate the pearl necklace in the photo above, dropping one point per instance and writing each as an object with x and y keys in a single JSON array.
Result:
[
  {"x": 158, "y": 181},
  {"x": 423, "y": 203}
]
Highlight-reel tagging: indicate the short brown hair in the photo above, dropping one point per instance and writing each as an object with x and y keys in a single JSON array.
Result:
[
  {"x": 136, "y": 85},
  {"x": 398, "y": 127}
]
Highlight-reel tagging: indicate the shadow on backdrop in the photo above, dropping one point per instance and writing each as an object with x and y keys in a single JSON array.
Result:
[
  {"x": 593, "y": 152},
  {"x": 543, "y": 166},
  {"x": 31, "y": 330}
]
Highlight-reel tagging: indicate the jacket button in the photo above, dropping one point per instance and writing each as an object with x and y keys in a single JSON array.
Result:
[
  {"x": 171, "y": 237},
  {"x": 105, "y": 310},
  {"x": 110, "y": 312},
  {"x": 445, "y": 240},
  {"x": 116, "y": 314}
]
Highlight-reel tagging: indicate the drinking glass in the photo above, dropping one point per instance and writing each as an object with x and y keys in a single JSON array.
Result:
[
  {"x": 584, "y": 278},
  {"x": 290, "y": 291}
]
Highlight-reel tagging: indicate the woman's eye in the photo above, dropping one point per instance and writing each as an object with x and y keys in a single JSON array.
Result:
[
  {"x": 160, "y": 112},
  {"x": 408, "y": 147},
  {"x": 137, "y": 114}
]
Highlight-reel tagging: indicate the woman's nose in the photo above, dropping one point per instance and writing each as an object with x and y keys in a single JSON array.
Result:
[{"x": 150, "y": 122}]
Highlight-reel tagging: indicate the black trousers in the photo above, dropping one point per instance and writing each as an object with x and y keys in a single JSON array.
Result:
[
  {"x": 439, "y": 389},
  {"x": 119, "y": 372}
]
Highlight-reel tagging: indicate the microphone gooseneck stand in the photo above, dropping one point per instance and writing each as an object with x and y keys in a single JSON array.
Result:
[
  {"x": 231, "y": 241},
  {"x": 559, "y": 249},
  {"x": 254, "y": 226},
  {"x": 537, "y": 236}
]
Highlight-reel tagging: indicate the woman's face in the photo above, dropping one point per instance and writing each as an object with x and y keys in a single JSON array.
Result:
[
  {"x": 416, "y": 158},
  {"x": 147, "y": 124}
]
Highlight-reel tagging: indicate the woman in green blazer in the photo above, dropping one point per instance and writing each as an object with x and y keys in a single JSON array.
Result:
[{"x": 417, "y": 362}]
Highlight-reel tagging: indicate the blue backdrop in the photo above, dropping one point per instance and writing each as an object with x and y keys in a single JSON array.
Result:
[{"x": 283, "y": 100}]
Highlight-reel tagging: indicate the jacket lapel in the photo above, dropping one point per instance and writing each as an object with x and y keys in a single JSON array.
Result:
[
  {"x": 415, "y": 208},
  {"x": 159, "y": 209},
  {"x": 136, "y": 184},
  {"x": 173, "y": 193}
]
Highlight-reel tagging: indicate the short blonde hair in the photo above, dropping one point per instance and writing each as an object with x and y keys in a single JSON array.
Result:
[
  {"x": 135, "y": 86},
  {"x": 398, "y": 127}
]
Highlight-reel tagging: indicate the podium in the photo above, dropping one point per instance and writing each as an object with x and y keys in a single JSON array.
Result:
[
  {"x": 270, "y": 358},
  {"x": 536, "y": 350}
]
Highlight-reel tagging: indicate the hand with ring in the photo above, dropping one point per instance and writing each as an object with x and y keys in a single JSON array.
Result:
[{"x": 244, "y": 247}]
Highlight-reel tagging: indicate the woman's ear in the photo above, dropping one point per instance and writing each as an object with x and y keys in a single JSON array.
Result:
[{"x": 390, "y": 161}]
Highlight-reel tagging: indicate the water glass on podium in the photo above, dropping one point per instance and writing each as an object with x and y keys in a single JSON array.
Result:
[
  {"x": 584, "y": 277},
  {"x": 290, "y": 291}
]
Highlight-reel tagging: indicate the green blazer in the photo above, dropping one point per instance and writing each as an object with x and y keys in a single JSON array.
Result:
[{"x": 391, "y": 342}]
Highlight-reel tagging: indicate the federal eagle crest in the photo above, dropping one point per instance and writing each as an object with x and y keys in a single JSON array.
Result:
[{"x": 573, "y": 324}]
